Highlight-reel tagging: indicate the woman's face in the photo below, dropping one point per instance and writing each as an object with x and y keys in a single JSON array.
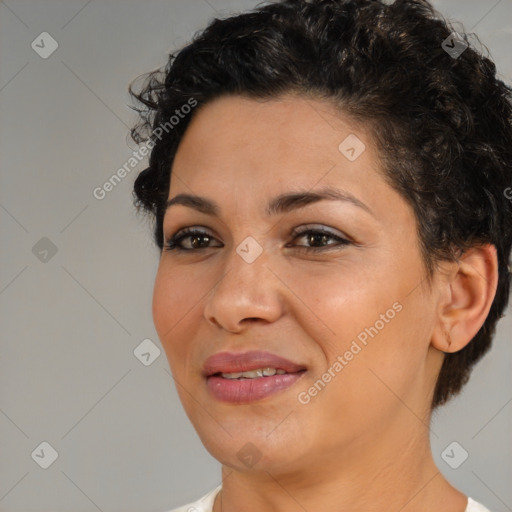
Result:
[{"x": 334, "y": 286}]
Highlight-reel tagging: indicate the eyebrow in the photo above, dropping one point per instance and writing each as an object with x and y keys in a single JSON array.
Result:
[{"x": 283, "y": 203}]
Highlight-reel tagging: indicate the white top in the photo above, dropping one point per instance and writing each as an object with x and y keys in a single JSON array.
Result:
[{"x": 205, "y": 504}]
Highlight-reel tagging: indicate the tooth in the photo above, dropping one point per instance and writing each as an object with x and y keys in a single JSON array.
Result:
[
  {"x": 232, "y": 375},
  {"x": 253, "y": 374}
]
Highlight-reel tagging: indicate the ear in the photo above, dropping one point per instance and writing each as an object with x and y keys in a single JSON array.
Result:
[{"x": 466, "y": 293}]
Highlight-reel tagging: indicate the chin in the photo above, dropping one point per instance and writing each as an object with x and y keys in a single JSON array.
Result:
[{"x": 249, "y": 447}]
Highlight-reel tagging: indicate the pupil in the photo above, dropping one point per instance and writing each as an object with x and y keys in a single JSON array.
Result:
[
  {"x": 316, "y": 235},
  {"x": 195, "y": 238}
]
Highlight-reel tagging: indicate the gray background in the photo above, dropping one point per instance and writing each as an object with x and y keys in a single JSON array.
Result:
[{"x": 70, "y": 324}]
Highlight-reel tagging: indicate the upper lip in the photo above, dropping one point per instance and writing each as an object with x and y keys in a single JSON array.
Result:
[{"x": 231, "y": 362}]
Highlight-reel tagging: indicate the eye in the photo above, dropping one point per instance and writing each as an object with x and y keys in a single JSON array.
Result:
[
  {"x": 193, "y": 235},
  {"x": 319, "y": 236}
]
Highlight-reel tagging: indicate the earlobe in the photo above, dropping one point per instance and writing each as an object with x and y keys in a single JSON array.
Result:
[{"x": 466, "y": 295}]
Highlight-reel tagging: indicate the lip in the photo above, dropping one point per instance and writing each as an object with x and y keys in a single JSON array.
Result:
[
  {"x": 245, "y": 391},
  {"x": 230, "y": 362}
]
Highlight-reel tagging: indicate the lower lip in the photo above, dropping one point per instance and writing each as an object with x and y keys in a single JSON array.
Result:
[{"x": 249, "y": 390}]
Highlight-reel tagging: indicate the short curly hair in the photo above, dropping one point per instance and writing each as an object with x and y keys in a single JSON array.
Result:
[{"x": 442, "y": 123}]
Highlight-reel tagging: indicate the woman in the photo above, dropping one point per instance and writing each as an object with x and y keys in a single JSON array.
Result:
[{"x": 327, "y": 181}]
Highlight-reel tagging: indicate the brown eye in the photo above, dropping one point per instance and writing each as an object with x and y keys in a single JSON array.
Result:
[
  {"x": 319, "y": 239},
  {"x": 198, "y": 240}
]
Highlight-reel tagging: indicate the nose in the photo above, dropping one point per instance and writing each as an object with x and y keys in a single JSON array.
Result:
[{"x": 245, "y": 293}]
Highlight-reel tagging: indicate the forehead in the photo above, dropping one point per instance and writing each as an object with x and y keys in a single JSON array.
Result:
[{"x": 235, "y": 138}]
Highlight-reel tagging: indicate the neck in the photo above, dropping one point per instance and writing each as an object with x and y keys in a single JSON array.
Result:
[{"x": 391, "y": 474}]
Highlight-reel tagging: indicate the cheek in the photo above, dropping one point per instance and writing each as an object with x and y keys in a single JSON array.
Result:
[
  {"x": 172, "y": 309},
  {"x": 177, "y": 293},
  {"x": 338, "y": 302},
  {"x": 164, "y": 304},
  {"x": 385, "y": 352},
  {"x": 367, "y": 316}
]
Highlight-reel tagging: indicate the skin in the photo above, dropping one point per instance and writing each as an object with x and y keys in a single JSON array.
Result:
[{"x": 362, "y": 443}]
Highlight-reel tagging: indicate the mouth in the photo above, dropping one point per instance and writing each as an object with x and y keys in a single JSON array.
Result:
[{"x": 250, "y": 376}]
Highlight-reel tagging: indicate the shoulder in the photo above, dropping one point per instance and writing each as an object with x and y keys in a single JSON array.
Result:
[
  {"x": 204, "y": 504},
  {"x": 473, "y": 506}
]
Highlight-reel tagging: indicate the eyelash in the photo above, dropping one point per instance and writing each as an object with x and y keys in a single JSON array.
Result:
[{"x": 172, "y": 243}]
